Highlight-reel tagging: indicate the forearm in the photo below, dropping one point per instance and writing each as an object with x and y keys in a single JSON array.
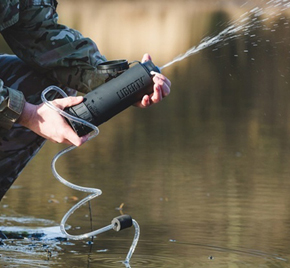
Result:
[{"x": 63, "y": 54}]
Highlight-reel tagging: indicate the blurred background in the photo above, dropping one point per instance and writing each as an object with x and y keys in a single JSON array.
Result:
[{"x": 206, "y": 171}]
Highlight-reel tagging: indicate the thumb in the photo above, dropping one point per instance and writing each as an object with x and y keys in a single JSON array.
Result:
[{"x": 67, "y": 102}]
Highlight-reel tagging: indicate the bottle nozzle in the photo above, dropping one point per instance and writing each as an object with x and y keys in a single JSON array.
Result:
[{"x": 149, "y": 66}]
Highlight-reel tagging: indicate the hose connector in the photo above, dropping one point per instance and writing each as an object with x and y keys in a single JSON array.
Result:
[{"x": 122, "y": 222}]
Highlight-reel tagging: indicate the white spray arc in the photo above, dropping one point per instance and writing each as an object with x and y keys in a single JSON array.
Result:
[{"x": 247, "y": 22}]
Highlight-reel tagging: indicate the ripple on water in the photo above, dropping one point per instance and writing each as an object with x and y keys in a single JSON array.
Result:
[
  {"x": 218, "y": 261},
  {"x": 139, "y": 261},
  {"x": 25, "y": 253},
  {"x": 180, "y": 255}
]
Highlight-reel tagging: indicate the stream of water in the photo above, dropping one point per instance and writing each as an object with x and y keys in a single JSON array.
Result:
[{"x": 249, "y": 21}]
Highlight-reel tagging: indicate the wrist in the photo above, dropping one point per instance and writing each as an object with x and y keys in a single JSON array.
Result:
[{"x": 27, "y": 114}]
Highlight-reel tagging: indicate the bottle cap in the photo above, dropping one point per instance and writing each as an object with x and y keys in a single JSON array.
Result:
[{"x": 113, "y": 66}]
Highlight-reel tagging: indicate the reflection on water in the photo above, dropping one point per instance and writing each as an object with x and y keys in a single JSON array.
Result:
[{"x": 205, "y": 173}]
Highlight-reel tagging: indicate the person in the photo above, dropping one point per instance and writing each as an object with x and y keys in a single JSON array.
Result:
[{"x": 46, "y": 53}]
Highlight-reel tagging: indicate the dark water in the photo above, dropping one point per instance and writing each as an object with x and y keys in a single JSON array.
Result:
[{"x": 205, "y": 173}]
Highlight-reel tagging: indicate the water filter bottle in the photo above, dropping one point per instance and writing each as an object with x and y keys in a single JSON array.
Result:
[{"x": 125, "y": 86}]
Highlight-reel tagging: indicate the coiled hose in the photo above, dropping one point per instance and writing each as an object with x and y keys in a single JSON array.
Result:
[{"x": 117, "y": 223}]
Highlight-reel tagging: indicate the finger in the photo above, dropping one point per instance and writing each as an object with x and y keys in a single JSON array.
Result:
[
  {"x": 67, "y": 141},
  {"x": 85, "y": 138},
  {"x": 68, "y": 136},
  {"x": 165, "y": 90},
  {"x": 145, "y": 102},
  {"x": 59, "y": 141},
  {"x": 73, "y": 138},
  {"x": 146, "y": 57},
  {"x": 161, "y": 77},
  {"x": 157, "y": 94},
  {"x": 162, "y": 85}
]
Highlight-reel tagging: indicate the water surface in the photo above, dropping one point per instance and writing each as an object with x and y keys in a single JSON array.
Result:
[{"x": 205, "y": 173}]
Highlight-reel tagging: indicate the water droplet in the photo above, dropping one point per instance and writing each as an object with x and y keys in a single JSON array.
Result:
[
  {"x": 102, "y": 250},
  {"x": 238, "y": 154}
]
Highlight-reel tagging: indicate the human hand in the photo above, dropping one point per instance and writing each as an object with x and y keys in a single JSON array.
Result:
[
  {"x": 50, "y": 124},
  {"x": 161, "y": 88}
]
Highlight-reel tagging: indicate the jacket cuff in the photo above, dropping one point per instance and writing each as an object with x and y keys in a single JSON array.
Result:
[{"x": 13, "y": 109}]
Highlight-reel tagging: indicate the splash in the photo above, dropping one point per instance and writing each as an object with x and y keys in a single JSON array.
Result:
[{"x": 243, "y": 26}]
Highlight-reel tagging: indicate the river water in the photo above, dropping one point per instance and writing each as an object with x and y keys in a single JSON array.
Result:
[{"x": 205, "y": 172}]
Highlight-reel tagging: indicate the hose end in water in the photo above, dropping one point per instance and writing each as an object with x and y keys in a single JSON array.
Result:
[{"x": 122, "y": 222}]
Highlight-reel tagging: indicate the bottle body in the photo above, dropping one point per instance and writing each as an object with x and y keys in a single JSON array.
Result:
[{"x": 113, "y": 97}]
